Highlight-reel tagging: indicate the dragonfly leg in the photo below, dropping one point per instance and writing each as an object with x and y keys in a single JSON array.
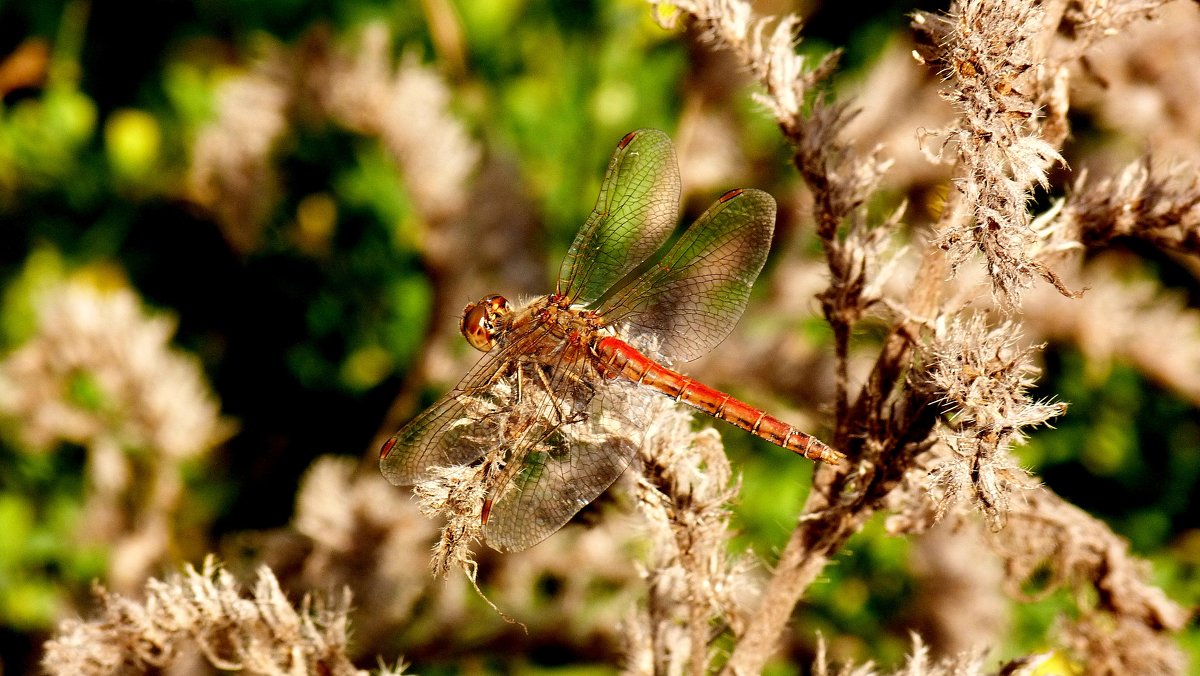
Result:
[
  {"x": 529, "y": 463},
  {"x": 561, "y": 416},
  {"x": 564, "y": 403}
]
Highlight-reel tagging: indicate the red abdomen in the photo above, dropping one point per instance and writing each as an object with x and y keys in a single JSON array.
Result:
[{"x": 620, "y": 358}]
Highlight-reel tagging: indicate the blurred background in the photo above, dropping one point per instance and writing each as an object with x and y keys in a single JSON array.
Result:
[{"x": 235, "y": 239}]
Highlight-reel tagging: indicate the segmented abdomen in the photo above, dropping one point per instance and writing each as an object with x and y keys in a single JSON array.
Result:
[{"x": 622, "y": 359}]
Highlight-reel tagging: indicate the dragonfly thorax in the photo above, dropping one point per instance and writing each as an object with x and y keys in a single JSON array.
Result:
[{"x": 481, "y": 322}]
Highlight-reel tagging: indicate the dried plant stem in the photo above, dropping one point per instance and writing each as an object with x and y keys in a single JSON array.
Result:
[
  {"x": 693, "y": 582},
  {"x": 840, "y": 181},
  {"x": 805, "y": 556},
  {"x": 697, "y": 617},
  {"x": 207, "y": 611},
  {"x": 827, "y": 524}
]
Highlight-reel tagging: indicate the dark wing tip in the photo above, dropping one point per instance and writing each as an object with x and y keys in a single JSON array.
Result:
[
  {"x": 730, "y": 195},
  {"x": 387, "y": 448}
]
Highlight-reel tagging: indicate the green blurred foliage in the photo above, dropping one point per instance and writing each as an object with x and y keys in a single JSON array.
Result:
[
  {"x": 560, "y": 74},
  {"x": 41, "y": 269},
  {"x": 43, "y": 566},
  {"x": 1126, "y": 452}
]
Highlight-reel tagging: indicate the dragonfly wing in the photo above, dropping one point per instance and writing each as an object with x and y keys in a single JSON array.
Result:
[
  {"x": 634, "y": 215},
  {"x": 567, "y": 467},
  {"x": 692, "y": 298},
  {"x": 448, "y": 433},
  {"x": 463, "y": 425}
]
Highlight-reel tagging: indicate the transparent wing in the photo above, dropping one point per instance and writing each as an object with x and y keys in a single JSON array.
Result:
[
  {"x": 564, "y": 434},
  {"x": 634, "y": 215},
  {"x": 691, "y": 299},
  {"x": 567, "y": 466},
  {"x": 466, "y": 423}
]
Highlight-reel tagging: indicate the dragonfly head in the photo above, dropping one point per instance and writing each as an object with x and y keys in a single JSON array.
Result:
[{"x": 480, "y": 323}]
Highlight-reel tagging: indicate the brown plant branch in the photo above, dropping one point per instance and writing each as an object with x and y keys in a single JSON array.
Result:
[{"x": 683, "y": 491}]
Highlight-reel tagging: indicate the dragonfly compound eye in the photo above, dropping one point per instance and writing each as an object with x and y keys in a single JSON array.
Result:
[{"x": 480, "y": 322}]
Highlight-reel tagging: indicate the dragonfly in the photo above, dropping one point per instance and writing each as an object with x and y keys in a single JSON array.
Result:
[{"x": 557, "y": 400}]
